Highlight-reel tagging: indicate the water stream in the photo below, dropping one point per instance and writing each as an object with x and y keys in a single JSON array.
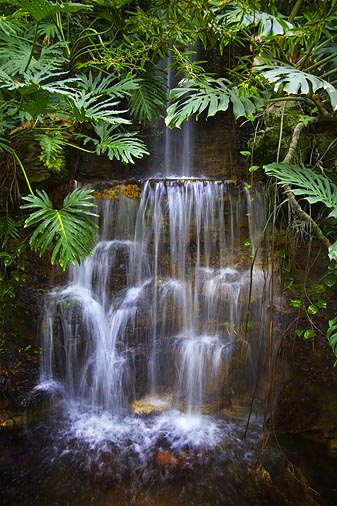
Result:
[
  {"x": 155, "y": 363},
  {"x": 157, "y": 343}
]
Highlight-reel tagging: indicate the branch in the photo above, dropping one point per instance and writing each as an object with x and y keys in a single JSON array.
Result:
[{"x": 291, "y": 198}]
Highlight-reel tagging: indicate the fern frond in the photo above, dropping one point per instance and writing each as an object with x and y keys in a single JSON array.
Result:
[
  {"x": 149, "y": 99},
  {"x": 52, "y": 150},
  {"x": 8, "y": 230}
]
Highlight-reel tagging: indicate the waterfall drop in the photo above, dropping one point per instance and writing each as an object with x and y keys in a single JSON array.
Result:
[{"x": 171, "y": 307}]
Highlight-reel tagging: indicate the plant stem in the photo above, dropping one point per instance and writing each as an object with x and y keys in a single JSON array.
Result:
[
  {"x": 291, "y": 197},
  {"x": 24, "y": 172}
]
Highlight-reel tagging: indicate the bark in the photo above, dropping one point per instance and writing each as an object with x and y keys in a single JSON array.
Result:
[{"x": 291, "y": 198}]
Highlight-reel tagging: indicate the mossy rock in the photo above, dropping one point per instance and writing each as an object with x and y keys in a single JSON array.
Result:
[
  {"x": 132, "y": 191},
  {"x": 280, "y": 118}
]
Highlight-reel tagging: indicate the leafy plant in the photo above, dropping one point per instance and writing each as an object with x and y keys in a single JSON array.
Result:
[
  {"x": 293, "y": 81},
  {"x": 67, "y": 231},
  {"x": 193, "y": 97},
  {"x": 332, "y": 334},
  {"x": 12, "y": 269},
  {"x": 311, "y": 186},
  {"x": 121, "y": 146}
]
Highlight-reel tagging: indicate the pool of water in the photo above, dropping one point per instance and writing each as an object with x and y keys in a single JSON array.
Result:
[{"x": 82, "y": 457}]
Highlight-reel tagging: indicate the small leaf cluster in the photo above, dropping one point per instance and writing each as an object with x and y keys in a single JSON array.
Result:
[{"x": 12, "y": 266}]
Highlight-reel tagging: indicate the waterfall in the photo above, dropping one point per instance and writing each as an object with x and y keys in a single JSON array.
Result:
[
  {"x": 172, "y": 305},
  {"x": 178, "y": 143}
]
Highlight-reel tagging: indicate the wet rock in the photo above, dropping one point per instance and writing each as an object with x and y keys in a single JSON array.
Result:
[
  {"x": 237, "y": 347},
  {"x": 150, "y": 405}
]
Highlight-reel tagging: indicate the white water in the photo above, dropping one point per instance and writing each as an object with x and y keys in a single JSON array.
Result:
[{"x": 169, "y": 306}]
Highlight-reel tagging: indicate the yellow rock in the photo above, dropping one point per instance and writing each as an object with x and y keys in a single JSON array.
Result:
[
  {"x": 150, "y": 405},
  {"x": 132, "y": 191}
]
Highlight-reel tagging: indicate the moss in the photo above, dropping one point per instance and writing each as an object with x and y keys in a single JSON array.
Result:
[
  {"x": 280, "y": 118},
  {"x": 132, "y": 191}
]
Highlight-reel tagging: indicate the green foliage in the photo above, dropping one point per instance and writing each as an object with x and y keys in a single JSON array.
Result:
[
  {"x": 311, "y": 186},
  {"x": 148, "y": 100},
  {"x": 67, "y": 231},
  {"x": 124, "y": 146},
  {"x": 331, "y": 334},
  {"x": 52, "y": 150},
  {"x": 296, "y": 82},
  {"x": 193, "y": 97},
  {"x": 12, "y": 268}
]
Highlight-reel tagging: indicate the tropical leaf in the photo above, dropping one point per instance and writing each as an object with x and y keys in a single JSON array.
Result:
[
  {"x": 297, "y": 82},
  {"x": 109, "y": 85},
  {"x": 214, "y": 95},
  {"x": 149, "y": 98},
  {"x": 8, "y": 229},
  {"x": 41, "y": 9},
  {"x": 311, "y": 186},
  {"x": 67, "y": 231},
  {"x": 16, "y": 58},
  {"x": 331, "y": 334},
  {"x": 327, "y": 56},
  {"x": 122, "y": 146},
  {"x": 242, "y": 18},
  {"x": 91, "y": 108},
  {"x": 95, "y": 99},
  {"x": 332, "y": 251},
  {"x": 52, "y": 150}
]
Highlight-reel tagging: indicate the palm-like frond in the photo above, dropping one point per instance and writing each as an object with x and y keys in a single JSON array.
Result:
[
  {"x": 294, "y": 81},
  {"x": 214, "y": 95},
  {"x": 311, "y": 186},
  {"x": 52, "y": 150},
  {"x": 67, "y": 231},
  {"x": 149, "y": 99},
  {"x": 122, "y": 146},
  {"x": 8, "y": 230}
]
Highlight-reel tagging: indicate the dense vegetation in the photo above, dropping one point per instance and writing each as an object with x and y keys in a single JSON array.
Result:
[{"x": 86, "y": 76}]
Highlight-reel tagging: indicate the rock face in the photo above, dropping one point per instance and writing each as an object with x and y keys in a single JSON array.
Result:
[
  {"x": 307, "y": 402},
  {"x": 271, "y": 143}
]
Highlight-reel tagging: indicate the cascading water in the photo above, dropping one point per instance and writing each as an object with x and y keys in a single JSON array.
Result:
[
  {"x": 178, "y": 143},
  {"x": 154, "y": 353},
  {"x": 161, "y": 308}
]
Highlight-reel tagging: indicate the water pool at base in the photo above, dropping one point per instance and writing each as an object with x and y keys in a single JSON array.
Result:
[{"x": 81, "y": 458}]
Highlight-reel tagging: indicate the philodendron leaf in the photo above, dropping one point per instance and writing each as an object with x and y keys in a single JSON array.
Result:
[
  {"x": 68, "y": 231},
  {"x": 331, "y": 334}
]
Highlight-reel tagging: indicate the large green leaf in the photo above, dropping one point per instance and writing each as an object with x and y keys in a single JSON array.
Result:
[
  {"x": 211, "y": 95},
  {"x": 67, "y": 231},
  {"x": 331, "y": 334},
  {"x": 311, "y": 186},
  {"x": 149, "y": 99},
  {"x": 122, "y": 146},
  {"x": 242, "y": 18},
  {"x": 41, "y": 9},
  {"x": 297, "y": 82}
]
